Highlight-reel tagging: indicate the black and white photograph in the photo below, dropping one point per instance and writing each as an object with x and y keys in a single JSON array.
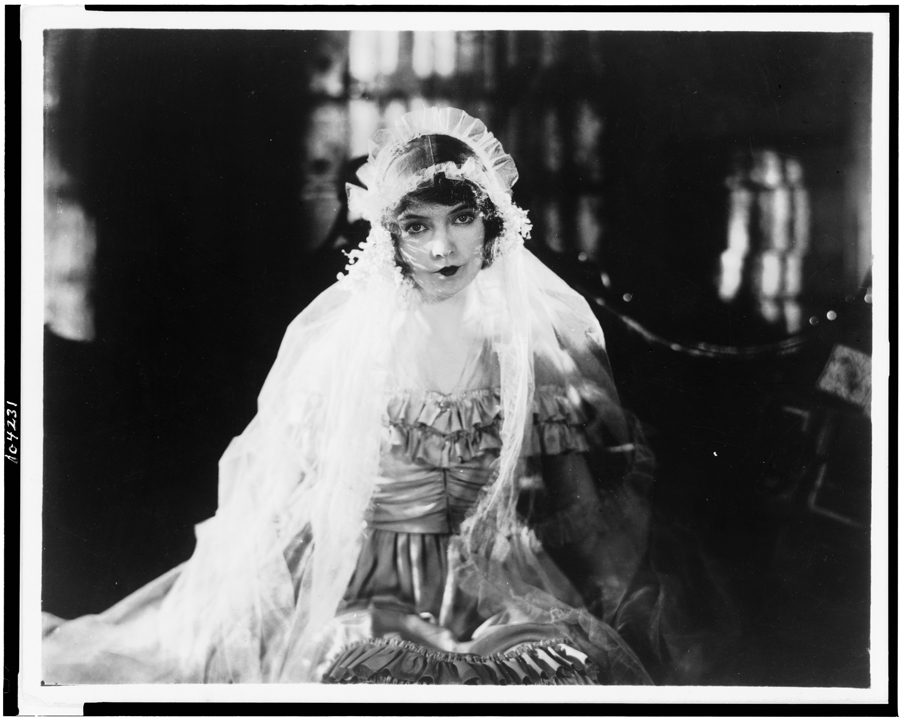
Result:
[{"x": 533, "y": 350}]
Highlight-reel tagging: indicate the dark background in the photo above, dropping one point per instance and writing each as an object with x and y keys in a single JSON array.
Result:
[{"x": 191, "y": 151}]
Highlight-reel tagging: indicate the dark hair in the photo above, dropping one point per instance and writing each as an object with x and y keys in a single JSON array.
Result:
[{"x": 426, "y": 151}]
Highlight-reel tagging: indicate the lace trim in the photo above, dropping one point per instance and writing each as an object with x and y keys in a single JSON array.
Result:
[
  {"x": 443, "y": 429},
  {"x": 401, "y": 662}
]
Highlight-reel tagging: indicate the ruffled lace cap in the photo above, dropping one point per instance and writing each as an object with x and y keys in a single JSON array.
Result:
[
  {"x": 387, "y": 181},
  {"x": 443, "y": 430}
]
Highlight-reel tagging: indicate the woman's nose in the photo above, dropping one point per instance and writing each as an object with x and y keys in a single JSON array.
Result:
[{"x": 441, "y": 245}]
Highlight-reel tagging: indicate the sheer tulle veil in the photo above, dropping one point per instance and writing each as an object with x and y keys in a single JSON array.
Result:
[{"x": 299, "y": 480}]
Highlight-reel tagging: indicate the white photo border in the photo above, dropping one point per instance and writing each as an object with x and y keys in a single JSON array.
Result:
[{"x": 41, "y": 700}]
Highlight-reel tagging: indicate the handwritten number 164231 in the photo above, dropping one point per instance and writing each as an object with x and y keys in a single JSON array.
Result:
[{"x": 12, "y": 449}]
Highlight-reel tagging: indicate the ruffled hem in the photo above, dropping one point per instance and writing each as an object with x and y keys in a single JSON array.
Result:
[
  {"x": 446, "y": 429},
  {"x": 393, "y": 661}
]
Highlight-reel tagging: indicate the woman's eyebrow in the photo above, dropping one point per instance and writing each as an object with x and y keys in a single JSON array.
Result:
[
  {"x": 463, "y": 206},
  {"x": 407, "y": 215}
]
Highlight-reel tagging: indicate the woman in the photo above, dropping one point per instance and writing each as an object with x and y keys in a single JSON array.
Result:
[{"x": 440, "y": 485}]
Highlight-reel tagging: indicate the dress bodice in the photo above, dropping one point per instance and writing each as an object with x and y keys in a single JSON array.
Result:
[
  {"x": 437, "y": 456},
  {"x": 439, "y": 452}
]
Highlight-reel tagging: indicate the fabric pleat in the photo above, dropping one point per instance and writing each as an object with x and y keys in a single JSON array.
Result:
[{"x": 550, "y": 661}]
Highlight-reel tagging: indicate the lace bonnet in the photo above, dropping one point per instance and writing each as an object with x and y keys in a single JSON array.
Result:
[{"x": 387, "y": 181}]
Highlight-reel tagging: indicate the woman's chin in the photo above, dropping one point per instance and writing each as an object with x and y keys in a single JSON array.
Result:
[{"x": 438, "y": 288}]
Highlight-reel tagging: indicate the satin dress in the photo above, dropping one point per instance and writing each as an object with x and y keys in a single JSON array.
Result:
[{"x": 404, "y": 617}]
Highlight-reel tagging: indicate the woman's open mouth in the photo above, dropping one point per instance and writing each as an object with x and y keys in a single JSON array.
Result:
[{"x": 448, "y": 271}]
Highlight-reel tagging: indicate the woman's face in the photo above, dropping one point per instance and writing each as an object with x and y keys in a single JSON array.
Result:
[{"x": 442, "y": 246}]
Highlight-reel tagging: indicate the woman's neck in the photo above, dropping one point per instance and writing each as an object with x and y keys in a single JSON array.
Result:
[
  {"x": 450, "y": 316},
  {"x": 443, "y": 345}
]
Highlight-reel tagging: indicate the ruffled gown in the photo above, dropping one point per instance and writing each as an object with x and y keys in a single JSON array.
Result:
[
  {"x": 405, "y": 618},
  {"x": 406, "y": 615}
]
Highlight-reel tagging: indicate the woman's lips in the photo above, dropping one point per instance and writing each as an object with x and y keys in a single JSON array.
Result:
[{"x": 448, "y": 271}]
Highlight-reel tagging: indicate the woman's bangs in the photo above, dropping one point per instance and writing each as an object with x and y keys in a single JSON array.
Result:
[{"x": 445, "y": 192}]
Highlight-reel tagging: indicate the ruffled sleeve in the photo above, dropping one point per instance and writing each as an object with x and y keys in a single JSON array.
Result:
[{"x": 558, "y": 423}]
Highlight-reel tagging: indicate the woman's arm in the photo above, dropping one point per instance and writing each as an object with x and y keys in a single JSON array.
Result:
[
  {"x": 595, "y": 531},
  {"x": 574, "y": 527}
]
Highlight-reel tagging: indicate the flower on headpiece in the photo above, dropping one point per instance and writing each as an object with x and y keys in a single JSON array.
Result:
[{"x": 373, "y": 260}]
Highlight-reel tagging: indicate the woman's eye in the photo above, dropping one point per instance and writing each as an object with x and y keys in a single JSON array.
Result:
[
  {"x": 414, "y": 228},
  {"x": 466, "y": 218}
]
